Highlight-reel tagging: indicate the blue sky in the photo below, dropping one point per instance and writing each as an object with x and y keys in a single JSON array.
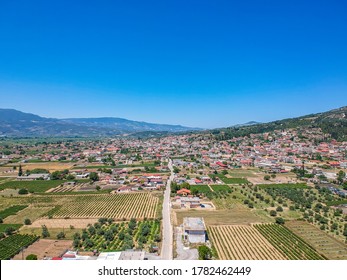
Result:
[{"x": 195, "y": 63}]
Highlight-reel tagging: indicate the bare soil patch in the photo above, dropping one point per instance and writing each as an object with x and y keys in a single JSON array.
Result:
[{"x": 45, "y": 248}]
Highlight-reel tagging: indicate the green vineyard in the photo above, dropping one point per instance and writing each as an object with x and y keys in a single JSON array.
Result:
[
  {"x": 117, "y": 206},
  {"x": 11, "y": 210},
  {"x": 38, "y": 186},
  {"x": 292, "y": 246},
  {"x": 12, "y": 245}
]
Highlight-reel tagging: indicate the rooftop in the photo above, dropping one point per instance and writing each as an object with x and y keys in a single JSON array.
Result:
[{"x": 193, "y": 223}]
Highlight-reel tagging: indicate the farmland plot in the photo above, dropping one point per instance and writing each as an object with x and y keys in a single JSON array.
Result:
[
  {"x": 230, "y": 181},
  {"x": 292, "y": 246},
  {"x": 11, "y": 245},
  {"x": 12, "y": 210},
  {"x": 218, "y": 188},
  {"x": 119, "y": 236},
  {"x": 3, "y": 227},
  {"x": 242, "y": 242},
  {"x": 205, "y": 189},
  {"x": 32, "y": 213},
  {"x": 117, "y": 206},
  {"x": 322, "y": 242},
  {"x": 66, "y": 188},
  {"x": 38, "y": 186}
]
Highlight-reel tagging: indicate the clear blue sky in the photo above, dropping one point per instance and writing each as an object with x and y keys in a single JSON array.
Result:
[{"x": 196, "y": 63}]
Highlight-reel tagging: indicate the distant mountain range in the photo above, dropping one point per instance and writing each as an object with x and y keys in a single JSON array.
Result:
[
  {"x": 333, "y": 123},
  {"x": 15, "y": 123}
]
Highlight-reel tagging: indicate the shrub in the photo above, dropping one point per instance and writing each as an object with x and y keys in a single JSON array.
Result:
[
  {"x": 23, "y": 191},
  {"x": 45, "y": 232},
  {"x": 273, "y": 213},
  {"x": 10, "y": 230},
  {"x": 31, "y": 257},
  {"x": 280, "y": 221},
  {"x": 27, "y": 221},
  {"x": 205, "y": 252},
  {"x": 61, "y": 235}
]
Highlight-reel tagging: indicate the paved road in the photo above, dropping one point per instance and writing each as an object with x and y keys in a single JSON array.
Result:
[
  {"x": 167, "y": 243},
  {"x": 184, "y": 253}
]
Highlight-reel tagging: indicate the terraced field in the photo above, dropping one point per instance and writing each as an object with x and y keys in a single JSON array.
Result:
[
  {"x": 322, "y": 242},
  {"x": 242, "y": 242},
  {"x": 289, "y": 244}
]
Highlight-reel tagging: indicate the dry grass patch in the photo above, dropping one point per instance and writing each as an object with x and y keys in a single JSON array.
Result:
[
  {"x": 220, "y": 217},
  {"x": 32, "y": 213},
  {"x": 63, "y": 223},
  {"x": 50, "y": 166},
  {"x": 52, "y": 231}
]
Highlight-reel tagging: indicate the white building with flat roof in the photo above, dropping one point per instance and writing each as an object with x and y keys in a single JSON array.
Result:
[{"x": 194, "y": 229}]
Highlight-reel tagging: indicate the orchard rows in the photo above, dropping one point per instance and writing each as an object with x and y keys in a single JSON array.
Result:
[
  {"x": 242, "y": 243},
  {"x": 288, "y": 243},
  {"x": 117, "y": 206}
]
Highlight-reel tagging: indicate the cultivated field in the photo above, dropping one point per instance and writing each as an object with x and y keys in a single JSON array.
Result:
[
  {"x": 12, "y": 210},
  {"x": 37, "y": 186},
  {"x": 322, "y": 242},
  {"x": 205, "y": 189},
  {"x": 289, "y": 244},
  {"x": 117, "y": 206},
  {"x": 71, "y": 188},
  {"x": 217, "y": 188},
  {"x": 50, "y": 166},
  {"x": 242, "y": 242},
  {"x": 32, "y": 213},
  {"x": 11, "y": 245},
  {"x": 120, "y": 236},
  {"x": 3, "y": 179},
  {"x": 243, "y": 173},
  {"x": 3, "y": 227}
]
